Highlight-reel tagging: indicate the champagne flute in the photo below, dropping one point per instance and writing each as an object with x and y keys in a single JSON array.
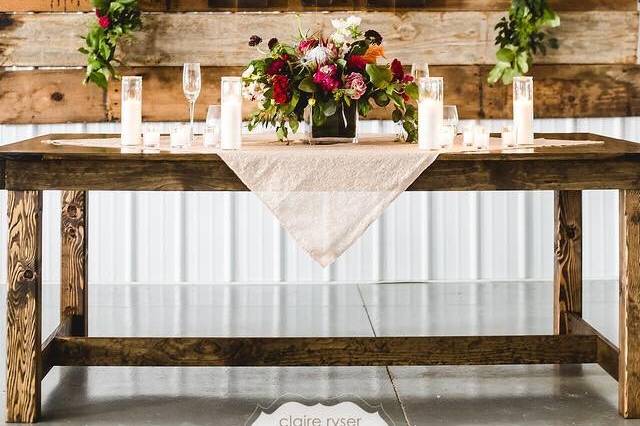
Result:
[
  {"x": 419, "y": 70},
  {"x": 191, "y": 83}
]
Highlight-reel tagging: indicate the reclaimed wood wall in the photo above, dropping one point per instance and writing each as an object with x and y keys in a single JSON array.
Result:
[{"x": 595, "y": 73}]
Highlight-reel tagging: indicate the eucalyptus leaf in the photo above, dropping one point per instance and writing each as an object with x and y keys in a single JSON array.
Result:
[{"x": 307, "y": 85}]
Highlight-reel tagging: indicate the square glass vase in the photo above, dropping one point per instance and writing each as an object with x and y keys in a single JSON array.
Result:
[{"x": 341, "y": 127}]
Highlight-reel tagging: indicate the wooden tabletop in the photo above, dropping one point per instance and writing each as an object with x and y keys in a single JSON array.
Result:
[{"x": 33, "y": 164}]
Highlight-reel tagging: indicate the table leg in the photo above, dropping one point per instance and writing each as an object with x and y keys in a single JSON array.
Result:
[
  {"x": 24, "y": 309},
  {"x": 73, "y": 269},
  {"x": 629, "y": 327},
  {"x": 568, "y": 258}
]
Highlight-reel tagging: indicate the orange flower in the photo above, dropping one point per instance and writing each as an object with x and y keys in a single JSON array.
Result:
[{"x": 373, "y": 53}]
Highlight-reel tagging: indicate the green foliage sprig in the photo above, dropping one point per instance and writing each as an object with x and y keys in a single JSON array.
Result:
[
  {"x": 115, "y": 19},
  {"x": 522, "y": 36}
]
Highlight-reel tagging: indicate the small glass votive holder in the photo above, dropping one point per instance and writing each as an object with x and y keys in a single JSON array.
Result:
[
  {"x": 179, "y": 136},
  {"x": 507, "y": 137},
  {"x": 468, "y": 135},
  {"x": 212, "y": 127},
  {"x": 481, "y": 137},
  {"x": 447, "y": 136},
  {"x": 151, "y": 137}
]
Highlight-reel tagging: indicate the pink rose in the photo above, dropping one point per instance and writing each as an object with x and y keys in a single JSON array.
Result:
[
  {"x": 355, "y": 82},
  {"x": 325, "y": 77},
  {"x": 104, "y": 21}
]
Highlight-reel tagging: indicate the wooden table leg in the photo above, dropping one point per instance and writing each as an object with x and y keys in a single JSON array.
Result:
[
  {"x": 74, "y": 257},
  {"x": 629, "y": 328},
  {"x": 24, "y": 305},
  {"x": 568, "y": 258}
]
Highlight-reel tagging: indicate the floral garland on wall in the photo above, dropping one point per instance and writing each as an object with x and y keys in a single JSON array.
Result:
[
  {"x": 521, "y": 36},
  {"x": 115, "y": 19}
]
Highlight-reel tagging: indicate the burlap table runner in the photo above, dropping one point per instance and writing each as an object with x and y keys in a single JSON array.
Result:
[{"x": 325, "y": 197}]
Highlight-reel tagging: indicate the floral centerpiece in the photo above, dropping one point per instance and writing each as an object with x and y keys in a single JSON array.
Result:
[{"x": 328, "y": 81}]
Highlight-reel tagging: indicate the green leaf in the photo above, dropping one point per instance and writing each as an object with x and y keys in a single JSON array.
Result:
[
  {"x": 380, "y": 76},
  {"x": 330, "y": 108},
  {"x": 307, "y": 85},
  {"x": 381, "y": 99},
  {"x": 505, "y": 55},
  {"x": 522, "y": 61},
  {"x": 293, "y": 123},
  {"x": 507, "y": 75},
  {"x": 411, "y": 89},
  {"x": 496, "y": 73},
  {"x": 396, "y": 115},
  {"x": 550, "y": 18}
]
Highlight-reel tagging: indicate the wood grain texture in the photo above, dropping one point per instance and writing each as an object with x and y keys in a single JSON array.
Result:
[
  {"x": 309, "y": 351},
  {"x": 24, "y": 289},
  {"x": 214, "y": 39},
  {"x": 629, "y": 335},
  {"x": 56, "y": 96},
  {"x": 49, "y": 345},
  {"x": 608, "y": 353},
  {"x": 74, "y": 277},
  {"x": 567, "y": 297},
  {"x": 238, "y": 5},
  {"x": 32, "y": 164}
]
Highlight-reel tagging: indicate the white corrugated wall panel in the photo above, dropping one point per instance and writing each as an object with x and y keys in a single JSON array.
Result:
[{"x": 230, "y": 237}]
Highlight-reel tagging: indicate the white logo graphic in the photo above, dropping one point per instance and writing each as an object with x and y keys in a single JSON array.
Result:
[{"x": 297, "y": 411}]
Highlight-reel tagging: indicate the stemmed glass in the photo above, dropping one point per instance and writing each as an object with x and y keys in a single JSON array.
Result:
[
  {"x": 191, "y": 83},
  {"x": 419, "y": 70},
  {"x": 449, "y": 125}
]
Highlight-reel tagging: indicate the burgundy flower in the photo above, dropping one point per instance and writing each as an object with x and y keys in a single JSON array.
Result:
[
  {"x": 396, "y": 69},
  {"x": 356, "y": 62},
  {"x": 280, "y": 89},
  {"x": 307, "y": 44},
  {"x": 408, "y": 78},
  {"x": 104, "y": 21},
  {"x": 275, "y": 67},
  {"x": 272, "y": 43},
  {"x": 254, "y": 40},
  {"x": 325, "y": 77}
]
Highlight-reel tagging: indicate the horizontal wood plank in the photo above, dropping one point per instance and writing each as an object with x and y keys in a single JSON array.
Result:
[
  {"x": 311, "y": 351},
  {"x": 608, "y": 353},
  {"x": 57, "y": 96},
  {"x": 236, "y": 5},
  {"x": 215, "y": 39}
]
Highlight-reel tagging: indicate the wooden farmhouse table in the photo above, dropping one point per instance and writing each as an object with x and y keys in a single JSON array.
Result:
[{"x": 29, "y": 167}]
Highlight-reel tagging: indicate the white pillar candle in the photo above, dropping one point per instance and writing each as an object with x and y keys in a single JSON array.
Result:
[
  {"x": 131, "y": 122},
  {"x": 430, "y": 113},
  {"x": 231, "y": 123},
  {"x": 523, "y": 121}
]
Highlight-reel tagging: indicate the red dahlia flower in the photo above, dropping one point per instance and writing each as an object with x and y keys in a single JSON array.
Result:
[
  {"x": 397, "y": 70},
  {"x": 280, "y": 89},
  {"x": 275, "y": 67},
  {"x": 356, "y": 62}
]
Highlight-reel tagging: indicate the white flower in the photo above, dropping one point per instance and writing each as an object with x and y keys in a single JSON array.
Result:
[
  {"x": 339, "y": 37},
  {"x": 319, "y": 55},
  {"x": 339, "y": 24},
  {"x": 353, "y": 21},
  {"x": 247, "y": 73}
]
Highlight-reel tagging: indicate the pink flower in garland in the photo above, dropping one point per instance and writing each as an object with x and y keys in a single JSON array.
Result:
[
  {"x": 355, "y": 82},
  {"x": 103, "y": 20},
  {"x": 325, "y": 77}
]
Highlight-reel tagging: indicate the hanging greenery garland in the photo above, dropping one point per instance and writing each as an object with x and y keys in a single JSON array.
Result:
[
  {"x": 521, "y": 36},
  {"x": 116, "y": 19}
]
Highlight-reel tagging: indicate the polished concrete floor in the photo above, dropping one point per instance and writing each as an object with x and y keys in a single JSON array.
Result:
[{"x": 504, "y": 395}]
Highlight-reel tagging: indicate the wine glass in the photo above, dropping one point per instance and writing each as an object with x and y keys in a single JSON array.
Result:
[
  {"x": 449, "y": 125},
  {"x": 191, "y": 83},
  {"x": 419, "y": 70}
]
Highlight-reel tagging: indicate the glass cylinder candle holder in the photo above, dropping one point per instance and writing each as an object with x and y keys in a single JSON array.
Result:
[
  {"x": 507, "y": 136},
  {"x": 468, "y": 135},
  {"x": 179, "y": 136},
  {"x": 131, "y": 111},
  {"x": 151, "y": 137},
  {"x": 481, "y": 137},
  {"x": 430, "y": 111},
  {"x": 231, "y": 113},
  {"x": 523, "y": 110},
  {"x": 212, "y": 126}
]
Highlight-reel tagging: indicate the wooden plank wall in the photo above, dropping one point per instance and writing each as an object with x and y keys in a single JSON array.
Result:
[{"x": 594, "y": 74}]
